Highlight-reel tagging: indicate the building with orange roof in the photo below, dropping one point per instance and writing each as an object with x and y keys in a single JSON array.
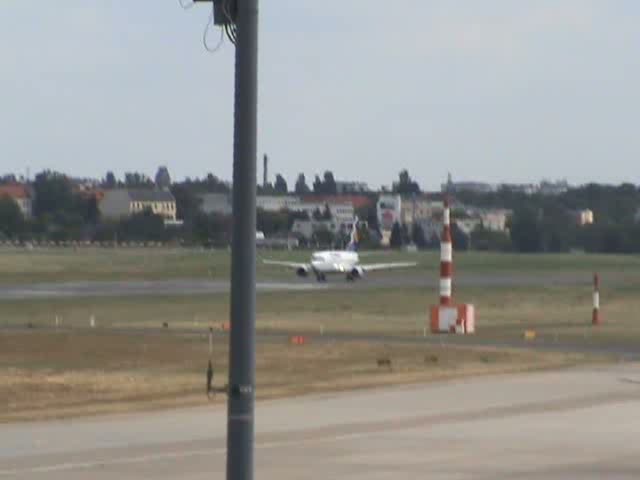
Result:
[{"x": 21, "y": 194}]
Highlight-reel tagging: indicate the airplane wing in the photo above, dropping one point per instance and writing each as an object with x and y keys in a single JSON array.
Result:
[
  {"x": 386, "y": 266},
  {"x": 292, "y": 265}
]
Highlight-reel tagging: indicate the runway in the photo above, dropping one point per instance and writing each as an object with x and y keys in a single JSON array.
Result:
[
  {"x": 130, "y": 288},
  {"x": 565, "y": 425},
  {"x": 200, "y": 286}
]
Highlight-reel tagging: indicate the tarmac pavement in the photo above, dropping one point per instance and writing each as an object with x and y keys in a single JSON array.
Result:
[
  {"x": 573, "y": 424},
  {"x": 295, "y": 284}
]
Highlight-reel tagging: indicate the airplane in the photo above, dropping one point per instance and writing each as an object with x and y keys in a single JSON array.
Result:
[{"x": 345, "y": 262}]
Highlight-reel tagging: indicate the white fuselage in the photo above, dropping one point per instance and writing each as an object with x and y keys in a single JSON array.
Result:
[{"x": 334, "y": 261}]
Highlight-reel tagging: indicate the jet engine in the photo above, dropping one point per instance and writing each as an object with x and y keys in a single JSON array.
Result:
[
  {"x": 302, "y": 271},
  {"x": 355, "y": 273}
]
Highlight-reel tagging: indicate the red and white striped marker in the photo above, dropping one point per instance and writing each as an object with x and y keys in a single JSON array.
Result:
[
  {"x": 446, "y": 258},
  {"x": 595, "y": 319}
]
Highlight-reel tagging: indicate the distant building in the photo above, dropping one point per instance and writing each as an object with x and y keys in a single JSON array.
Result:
[
  {"x": 584, "y": 217},
  {"x": 357, "y": 201},
  {"x": 493, "y": 219},
  {"x": 416, "y": 208},
  {"x": 457, "y": 187},
  {"x": 276, "y": 203},
  {"x": 307, "y": 228},
  {"x": 389, "y": 210},
  {"x": 21, "y": 194},
  {"x": 124, "y": 203},
  {"x": 468, "y": 225},
  {"x": 342, "y": 213},
  {"x": 219, "y": 203},
  {"x": 342, "y": 210}
]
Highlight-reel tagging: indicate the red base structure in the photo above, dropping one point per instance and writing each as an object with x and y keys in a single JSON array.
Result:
[{"x": 458, "y": 319}]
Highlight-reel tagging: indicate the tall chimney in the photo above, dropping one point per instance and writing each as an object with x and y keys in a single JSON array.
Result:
[{"x": 265, "y": 170}]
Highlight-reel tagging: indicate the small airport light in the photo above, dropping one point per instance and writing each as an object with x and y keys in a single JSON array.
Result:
[{"x": 595, "y": 317}]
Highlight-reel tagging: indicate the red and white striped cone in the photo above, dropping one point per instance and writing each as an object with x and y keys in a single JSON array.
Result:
[
  {"x": 595, "y": 318},
  {"x": 446, "y": 258}
]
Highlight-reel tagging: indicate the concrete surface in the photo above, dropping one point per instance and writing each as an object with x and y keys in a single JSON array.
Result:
[
  {"x": 581, "y": 423},
  {"x": 136, "y": 288},
  {"x": 406, "y": 279}
]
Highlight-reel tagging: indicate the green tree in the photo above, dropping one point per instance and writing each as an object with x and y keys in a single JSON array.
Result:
[
  {"x": 324, "y": 236},
  {"x": 92, "y": 212},
  {"x": 212, "y": 229},
  {"x": 52, "y": 193},
  {"x": 459, "y": 239},
  {"x": 187, "y": 201},
  {"x": 329, "y": 185},
  {"x": 326, "y": 213},
  {"x": 396, "y": 236},
  {"x": 213, "y": 184},
  {"x": 369, "y": 214},
  {"x": 281, "y": 185},
  {"x": 272, "y": 223},
  {"x": 488, "y": 240},
  {"x": 143, "y": 226},
  {"x": 325, "y": 186},
  {"x": 137, "y": 180},
  {"x": 526, "y": 234},
  {"x": 301, "y": 185},
  {"x": 11, "y": 220},
  {"x": 405, "y": 185},
  {"x": 318, "y": 186},
  {"x": 417, "y": 236},
  {"x": 106, "y": 232},
  {"x": 8, "y": 179},
  {"x": 296, "y": 215},
  {"x": 110, "y": 181}
]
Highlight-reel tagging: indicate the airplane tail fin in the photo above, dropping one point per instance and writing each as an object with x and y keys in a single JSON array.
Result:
[{"x": 355, "y": 238}]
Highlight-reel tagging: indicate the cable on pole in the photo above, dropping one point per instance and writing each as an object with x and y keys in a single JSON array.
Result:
[{"x": 205, "y": 36}]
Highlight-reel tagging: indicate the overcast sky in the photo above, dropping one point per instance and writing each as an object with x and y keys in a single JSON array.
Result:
[{"x": 488, "y": 90}]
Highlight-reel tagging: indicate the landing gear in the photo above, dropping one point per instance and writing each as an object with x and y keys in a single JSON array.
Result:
[
  {"x": 321, "y": 277},
  {"x": 351, "y": 277}
]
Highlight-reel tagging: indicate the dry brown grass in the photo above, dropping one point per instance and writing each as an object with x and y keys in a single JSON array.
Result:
[{"x": 49, "y": 375}]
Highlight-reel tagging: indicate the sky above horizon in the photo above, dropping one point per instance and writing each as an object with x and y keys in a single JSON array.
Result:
[{"x": 491, "y": 90}]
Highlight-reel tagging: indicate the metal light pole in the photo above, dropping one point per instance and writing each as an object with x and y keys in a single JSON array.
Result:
[{"x": 240, "y": 423}]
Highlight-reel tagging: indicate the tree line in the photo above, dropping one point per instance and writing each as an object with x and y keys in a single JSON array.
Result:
[{"x": 539, "y": 223}]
